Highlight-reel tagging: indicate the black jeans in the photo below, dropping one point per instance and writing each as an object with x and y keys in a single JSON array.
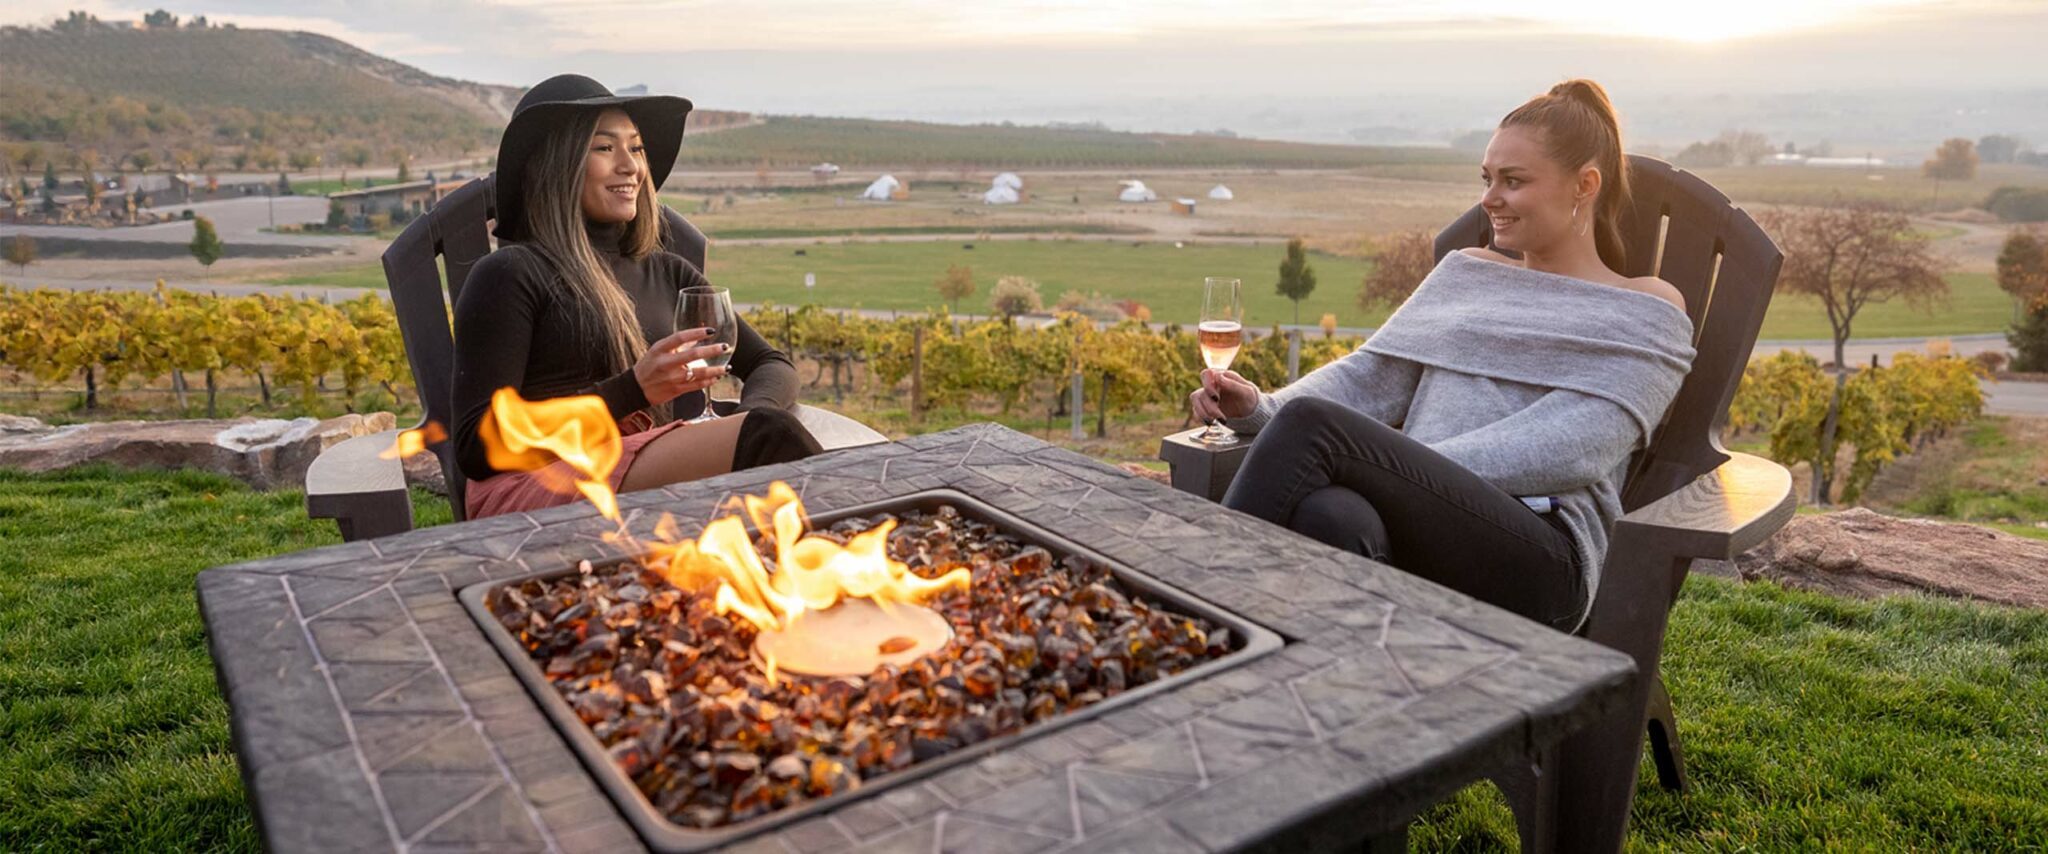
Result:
[{"x": 1334, "y": 474}]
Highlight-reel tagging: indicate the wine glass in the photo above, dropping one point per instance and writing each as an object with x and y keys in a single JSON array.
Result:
[
  {"x": 1221, "y": 332},
  {"x": 703, "y": 306}
]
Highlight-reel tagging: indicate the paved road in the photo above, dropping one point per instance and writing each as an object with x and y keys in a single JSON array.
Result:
[
  {"x": 239, "y": 221},
  {"x": 2016, "y": 398}
]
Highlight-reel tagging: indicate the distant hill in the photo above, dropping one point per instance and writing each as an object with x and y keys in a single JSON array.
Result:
[
  {"x": 222, "y": 89},
  {"x": 217, "y": 97},
  {"x": 783, "y": 142},
  {"x": 210, "y": 93}
]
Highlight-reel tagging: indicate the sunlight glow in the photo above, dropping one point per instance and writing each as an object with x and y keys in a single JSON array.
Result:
[
  {"x": 942, "y": 23},
  {"x": 658, "y": 25}
]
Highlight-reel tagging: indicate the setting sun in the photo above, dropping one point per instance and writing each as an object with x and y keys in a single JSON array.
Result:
[{"x": 1733, "y": 19}]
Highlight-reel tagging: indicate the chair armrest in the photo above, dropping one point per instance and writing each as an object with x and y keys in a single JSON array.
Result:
[
  {"x": 1721, "y": 514},
  {"x": 835, "y": 431},
  {"x": 364, "y": 493},
  {"x": 1200, "y": 468}
]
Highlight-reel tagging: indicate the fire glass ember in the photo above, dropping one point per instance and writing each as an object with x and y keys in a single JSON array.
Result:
[{"x": 660, "y": 663}]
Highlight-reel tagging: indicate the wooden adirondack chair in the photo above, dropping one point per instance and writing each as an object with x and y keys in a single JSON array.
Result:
[
  {"x": 1686, "y": 498},
  {"x": 365, "y": 494}
]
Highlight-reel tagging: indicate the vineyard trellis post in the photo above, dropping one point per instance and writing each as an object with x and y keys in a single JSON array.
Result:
[
  {"x": 917, "y": 375},
  {"x": 177, "y": 375},
  {"x": 1102, "y": 410},
  {"x": 1074, "y": 407}
]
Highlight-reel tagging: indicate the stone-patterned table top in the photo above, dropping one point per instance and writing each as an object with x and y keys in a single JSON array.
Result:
[{"x": 369, "y": 712}]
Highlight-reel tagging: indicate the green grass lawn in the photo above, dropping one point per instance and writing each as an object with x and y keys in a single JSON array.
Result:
[
  {"x": 365, "y": 276},
  {"x": 1166, "y": 279},
  {"x": 1810, "y": 722},
  {"x": 900, "y": 275},
  {"x": 1169, "y": 281},
  {"x": 1997, "y": 479},
  {"x": 1975, "y": 305},
  {"x": 1815, "y": 723},
  {"x": 116, "y": 734}
]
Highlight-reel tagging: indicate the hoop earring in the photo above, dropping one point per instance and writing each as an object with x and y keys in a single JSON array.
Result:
[{"x": 1575, "y": 218}]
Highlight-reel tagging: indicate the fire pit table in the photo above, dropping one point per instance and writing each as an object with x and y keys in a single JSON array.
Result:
[{"x": 372, "y": 710}]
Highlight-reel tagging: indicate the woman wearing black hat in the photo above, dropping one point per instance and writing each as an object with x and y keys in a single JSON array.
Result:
[{"x": 578, "y": 289}]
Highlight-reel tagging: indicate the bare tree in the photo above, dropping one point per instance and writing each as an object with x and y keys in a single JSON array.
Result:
[
  {"x": 2000, "y": 148},
  {"x": 957, "y": 284},
  {"x": 1747, "y": 146},
  {"x": 1399, "y": 263},
  {"x": 2023, "y": 267},
  {"x": 1955, "y": 160},
  {"x": 28, "y": 156},
  {"x": 1850, "y": 256},
  {"x": 21, "y": 252},
  {"x": 357, "y": 156}
]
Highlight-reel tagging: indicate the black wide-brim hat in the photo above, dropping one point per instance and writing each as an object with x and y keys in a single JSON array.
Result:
[{"x": 659, "y": 117}]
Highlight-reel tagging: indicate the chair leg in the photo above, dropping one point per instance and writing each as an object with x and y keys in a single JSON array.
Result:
[
  {"x": 1596, "y": 767},
  {"x": 1664, "y": 745},
  {"x": 1531, "y": 792}
]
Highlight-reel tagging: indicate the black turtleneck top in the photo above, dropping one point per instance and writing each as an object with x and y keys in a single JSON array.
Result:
[{"x": 515, "y": 325}]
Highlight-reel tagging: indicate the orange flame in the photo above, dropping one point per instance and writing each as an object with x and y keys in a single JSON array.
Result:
[
  {"x": 523, "y": 435},
  {"x": 812, "y": 572},
  {"x": 415, "y": 441}
]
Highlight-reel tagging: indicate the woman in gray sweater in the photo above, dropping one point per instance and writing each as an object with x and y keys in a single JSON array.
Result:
[{"x": 1481, "y": 436}]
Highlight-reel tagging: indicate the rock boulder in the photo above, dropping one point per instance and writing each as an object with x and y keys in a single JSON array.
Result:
[
  {"x": 269, "y": 453},
  {"x": 1862, "y": 553}
]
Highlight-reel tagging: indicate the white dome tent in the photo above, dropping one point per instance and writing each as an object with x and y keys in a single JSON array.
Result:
[
  {"x": 1221, "y": 193},
  {"x": 1006, "y": 189},
  {"x": 881, "y": 190},
  {"x": 1136, "y": 191}
]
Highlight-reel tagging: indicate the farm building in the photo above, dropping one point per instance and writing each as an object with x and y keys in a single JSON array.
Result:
[
  {"x": 1221, "y": 193},
  {"x": 1184, "y": 205},
  {"x": 1136, "y": 191},
  {"x": 412, "y": 197}
]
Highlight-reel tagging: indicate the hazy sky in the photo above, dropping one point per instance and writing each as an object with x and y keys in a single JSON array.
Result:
[{"x": 1312, "y": 69}]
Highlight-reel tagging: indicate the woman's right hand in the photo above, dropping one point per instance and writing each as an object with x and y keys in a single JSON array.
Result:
[
  {"x": 1223, "y": 394},
  {"x": 665, "y": 373}
]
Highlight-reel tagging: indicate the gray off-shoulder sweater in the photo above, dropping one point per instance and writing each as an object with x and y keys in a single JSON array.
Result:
[{"x": 1541, "y": 384}]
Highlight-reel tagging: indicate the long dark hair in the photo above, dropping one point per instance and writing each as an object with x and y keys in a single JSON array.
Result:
[
  {"x": 1579, "y": 127},
  {"x": 555, "y": 231}
]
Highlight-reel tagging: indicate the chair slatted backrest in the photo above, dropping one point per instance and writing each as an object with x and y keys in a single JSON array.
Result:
[
  {"x": 1682, "y": 229},
  {"x": 456, "y": 233}
]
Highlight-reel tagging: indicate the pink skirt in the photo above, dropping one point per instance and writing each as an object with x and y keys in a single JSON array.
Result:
[{"x": 521, "y": 491}]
